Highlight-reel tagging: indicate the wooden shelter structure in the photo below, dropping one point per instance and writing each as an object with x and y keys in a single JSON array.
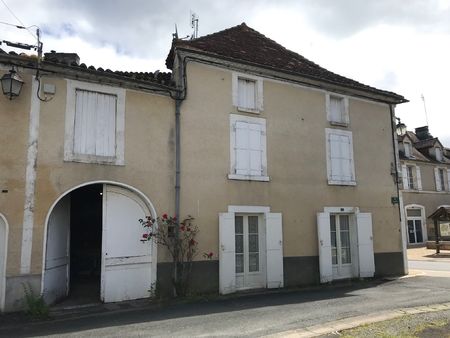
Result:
[{"x": 441, "y": 219}]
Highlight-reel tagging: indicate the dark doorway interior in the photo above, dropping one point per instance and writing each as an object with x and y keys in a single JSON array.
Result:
[{"x": 86, "y": 243}]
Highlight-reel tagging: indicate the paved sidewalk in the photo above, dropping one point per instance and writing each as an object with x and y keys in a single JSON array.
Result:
[
  {"x": 424, "y": 254},
  {"x": 352, "y": 322}
]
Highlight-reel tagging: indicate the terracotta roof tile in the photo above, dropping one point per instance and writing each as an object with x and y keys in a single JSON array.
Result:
[{"x": 242, "y": 43}]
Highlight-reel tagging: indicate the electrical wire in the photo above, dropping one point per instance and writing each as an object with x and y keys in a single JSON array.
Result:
[
  {"x": 11, "y": 24},
  {"x": 20, "y": 21}
]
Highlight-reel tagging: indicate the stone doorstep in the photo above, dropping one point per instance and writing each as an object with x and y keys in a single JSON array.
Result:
[{"x": 352, "y": 322}]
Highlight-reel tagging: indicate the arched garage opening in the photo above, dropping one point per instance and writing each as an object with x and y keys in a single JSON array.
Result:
[{"x": 93, "y": 250}]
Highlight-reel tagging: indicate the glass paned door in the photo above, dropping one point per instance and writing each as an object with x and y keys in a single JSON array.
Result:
[
  {"x": 341, "y": 245},
  {"x": 415, "y": 231},
  {"x": 248, "y": 251}
]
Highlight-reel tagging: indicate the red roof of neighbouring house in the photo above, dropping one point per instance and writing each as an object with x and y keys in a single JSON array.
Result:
[{"x": 244, "y": 44}]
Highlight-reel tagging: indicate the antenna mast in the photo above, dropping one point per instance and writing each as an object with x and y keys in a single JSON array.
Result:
[
  {"x": 194, "y": 25},
  {"x": 425, "y": 108}
]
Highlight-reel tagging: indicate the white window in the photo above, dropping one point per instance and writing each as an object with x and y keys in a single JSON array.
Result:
[
  {"x": 94, "y": 123},
  {"x": 412, "y": 179},
  {"x": 247, "y": 93},
  {"x": 408, "y": 149},
  {"x": 440, "y": 178},
  {"x": 340, "y": 164},
  {"x": 337, "y": 109},
  {"x": 248, "y": 148}
]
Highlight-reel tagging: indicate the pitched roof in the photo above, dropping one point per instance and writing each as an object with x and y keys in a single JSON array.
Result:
[
  {"x": 244, "y": 44},
  {"x": 160, "y": 78}
]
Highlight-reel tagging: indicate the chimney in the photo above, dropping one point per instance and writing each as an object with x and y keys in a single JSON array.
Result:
[
  {"x": 66, "y": 58},
  {"x": 422, "y": 133}
]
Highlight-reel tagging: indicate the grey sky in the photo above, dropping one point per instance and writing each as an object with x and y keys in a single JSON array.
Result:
[{"x": 397, "y": 45}]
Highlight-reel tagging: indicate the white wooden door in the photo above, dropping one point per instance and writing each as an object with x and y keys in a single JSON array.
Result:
[
  {"x": 323, "y": 234},
  {"x": 365, "y": 245},
  {"x": 274, "y": 250},
  {"x": 227, "y": 263},
  {"x": 3, "y": 246},
  {"x": 127, "y": 271},
  {"x": 57, "y": 259}
]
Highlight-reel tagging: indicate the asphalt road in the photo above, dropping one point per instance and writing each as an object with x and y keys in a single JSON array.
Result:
[
  {"x": 429, "y": 265},
  {"x": 252, "y": 315}
]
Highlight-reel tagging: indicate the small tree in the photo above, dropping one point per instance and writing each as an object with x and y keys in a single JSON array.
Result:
[{"x": 179, "y": 239}]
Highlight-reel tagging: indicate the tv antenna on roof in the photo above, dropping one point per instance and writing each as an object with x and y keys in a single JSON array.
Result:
[
  {"x": 425, "y": 108},
  {"x": 194, "y": 25}
]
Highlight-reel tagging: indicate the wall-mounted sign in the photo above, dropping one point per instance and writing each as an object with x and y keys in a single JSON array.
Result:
[{"x": 394, "y": 200}]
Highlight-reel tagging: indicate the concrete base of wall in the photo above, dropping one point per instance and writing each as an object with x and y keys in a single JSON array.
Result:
[
  {"x": 204, "y": 277},
  {"x": 389, "y": 264},
  {"x": 301, "y": 271},
  {"x": 15, "y": 292}
]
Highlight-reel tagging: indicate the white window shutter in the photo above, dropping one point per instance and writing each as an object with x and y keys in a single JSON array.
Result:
[
  {"x": 405, "y": 177},
  {"x": 448, "y": 179},
  {"x": 335, "y": 158},
  {"x": 418, "y": 178},
  {"x": 365, "y": 245},
  {"x": 95, "y": 124},
  {"x": 437, "y": 179},
  {"x": 274, "y": 250},
  {"x": 227, "y": 259},
  {"x": 255, "y": 149},
  {"x": 242, "y": 148},
  {"x": 324, "y": 236}
]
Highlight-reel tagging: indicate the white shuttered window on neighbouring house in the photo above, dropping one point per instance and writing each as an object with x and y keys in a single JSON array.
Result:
[
  {"x": 247, "y": 92},
  {"x": 248, "y": 148},
  {"x": 340, "y": 162},
  {"x": 95, "y": 124}
]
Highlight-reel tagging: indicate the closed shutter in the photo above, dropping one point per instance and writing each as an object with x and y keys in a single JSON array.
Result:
[
  {"x": 95, "y": 124},
  {"x": 324, "y": 236},
  {"x": 418, "y": 178},
  {"x": 274, "y": 248},
  {"x": 337, "y": 109},
  {"x": 365, "y": 245},
  {"x": 248, "y": 148},
  {"x": 341, "y": 157},
  {"x": 227, "y": 259},
  {"x": 405, "y": 177},
  {"x": 448, "y": 179},
  {"x": 246, "y": 93},
  {"x": 437, "y": 179}
]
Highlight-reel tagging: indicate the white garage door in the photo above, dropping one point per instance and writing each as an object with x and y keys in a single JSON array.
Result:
[{"x": 126, "y": 262}]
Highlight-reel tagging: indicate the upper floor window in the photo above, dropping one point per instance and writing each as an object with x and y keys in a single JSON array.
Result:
[
  {"x": 412, "y": 179},
  {"x": 247, "y": 93},
  {"x": 248, "y": 148},
  {"x": 438, "y": 153},
  {"x": 408, "y": 149},
  {"x": 337, "y": 109},
  {"x": 94, "y": 123},
  {"x": 441, "y": 176},
  {"x": 340, "y": 164}
]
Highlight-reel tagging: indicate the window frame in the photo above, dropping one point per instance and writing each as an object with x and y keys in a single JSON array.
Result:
[
  {"x": 69, "y": 155},
  {"x": 408, "y": 145},
  {"x": 346, "y": 121},
  {"x": 256, "y": 120},
  {"x": 259, "y": 106},
  {"x": 328, "y": 132}
]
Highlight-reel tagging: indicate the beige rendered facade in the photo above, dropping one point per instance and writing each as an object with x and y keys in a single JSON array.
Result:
[
  {"x": 425, "y": 184},
  {"x": 282, "y": 192}
]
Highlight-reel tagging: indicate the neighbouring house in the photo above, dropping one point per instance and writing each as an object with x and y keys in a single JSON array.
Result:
[
  {"x": 289, "y": 169},
  {"x": 425, "y": 166}
]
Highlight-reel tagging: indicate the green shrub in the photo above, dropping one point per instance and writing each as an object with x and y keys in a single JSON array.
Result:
[{"x": 35, "y": 305}]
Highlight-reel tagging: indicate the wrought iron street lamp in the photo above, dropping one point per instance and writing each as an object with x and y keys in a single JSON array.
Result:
[{"x": 11, "y": 84}]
